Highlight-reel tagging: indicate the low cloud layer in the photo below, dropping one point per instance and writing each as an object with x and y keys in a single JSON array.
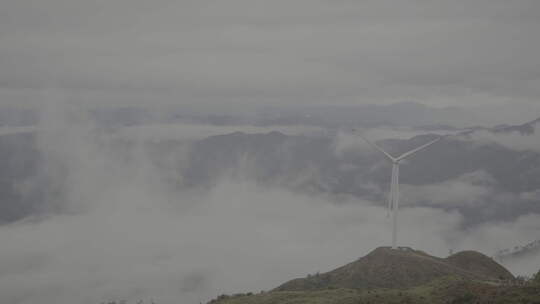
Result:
[
  {"x": 236, "y": 238},
  {"x": 139, "y": 244},
  {"x": 124, "y": 233},
  {"x": 474, "y": 188}
]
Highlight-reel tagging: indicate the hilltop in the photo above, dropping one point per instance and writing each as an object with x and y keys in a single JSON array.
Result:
[
  {"x": 402, "y": 276},
  {"x": 403, "y": 268}
]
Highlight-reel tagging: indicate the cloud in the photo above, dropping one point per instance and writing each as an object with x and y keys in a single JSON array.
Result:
[
  {"x": 16, "y": 130},
  {"x": 511, "y": 140},
  {"x": 348, "y": 142},
  {"x": 237, "y": 238},
  {"x": 496, "y": 236},
  {"x": 474, "y": 188}
]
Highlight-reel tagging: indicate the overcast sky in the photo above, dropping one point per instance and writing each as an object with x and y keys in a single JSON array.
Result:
[{"x": 251, "y": 52}]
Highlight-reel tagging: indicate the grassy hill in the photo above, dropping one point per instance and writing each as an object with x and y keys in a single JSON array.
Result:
[
  {"x": 445, "y": 290},
  {"x": 402, "y": 276},
  {"x": 404, "y": 268}
]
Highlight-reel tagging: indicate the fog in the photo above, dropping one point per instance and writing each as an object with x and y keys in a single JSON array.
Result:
[
  {"x": 16, "y": 130},
  {"x": 125, "y": 232},
  {"x": 472, "y": 188},
  {"x": 241, "y": 54},
  {"x": 511, "y": 140}
]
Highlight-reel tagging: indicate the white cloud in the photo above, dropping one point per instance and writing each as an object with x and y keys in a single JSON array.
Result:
[
  {"x": 492, "y": 237},
  {"x": 469, "y": 189},
  {"x": 138, "y": 244}
]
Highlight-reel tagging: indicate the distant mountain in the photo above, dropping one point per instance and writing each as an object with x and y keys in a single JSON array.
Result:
[
  {"x": 410, "y": 114},
  {"x": 404, "y": 268},
  {"x": 524, "y": 129},
  {"x": 402, "y": 114},
  {"x": 310, "y": 164},
  {"x": 517, "y": 252}
]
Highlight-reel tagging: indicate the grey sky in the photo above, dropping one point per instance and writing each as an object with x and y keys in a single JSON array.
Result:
[{"x": 254, "y": 52}]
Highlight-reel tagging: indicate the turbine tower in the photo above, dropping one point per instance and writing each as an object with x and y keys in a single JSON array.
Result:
[{"x": 393, "y": 201}]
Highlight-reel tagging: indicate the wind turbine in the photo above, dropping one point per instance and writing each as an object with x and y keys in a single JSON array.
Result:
[{"x": 393, "y": 202}]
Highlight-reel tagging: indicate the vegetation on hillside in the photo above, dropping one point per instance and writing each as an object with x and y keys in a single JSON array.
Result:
[
  {"x": 446, "y": 290},
  {"x": 387, "y": 276},
  {"x": 404, "y": 268}
]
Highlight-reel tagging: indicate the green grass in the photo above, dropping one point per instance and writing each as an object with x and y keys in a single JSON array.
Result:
[
  {"x": 453, "y": 290},
  {"x": 387, "y": 276},
  {"x": 332, "y": 296}
]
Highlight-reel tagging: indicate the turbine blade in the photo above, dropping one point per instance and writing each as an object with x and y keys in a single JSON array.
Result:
[
  {"x": 405, "y": 155},
  {"x": 390, "y": 157}
]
